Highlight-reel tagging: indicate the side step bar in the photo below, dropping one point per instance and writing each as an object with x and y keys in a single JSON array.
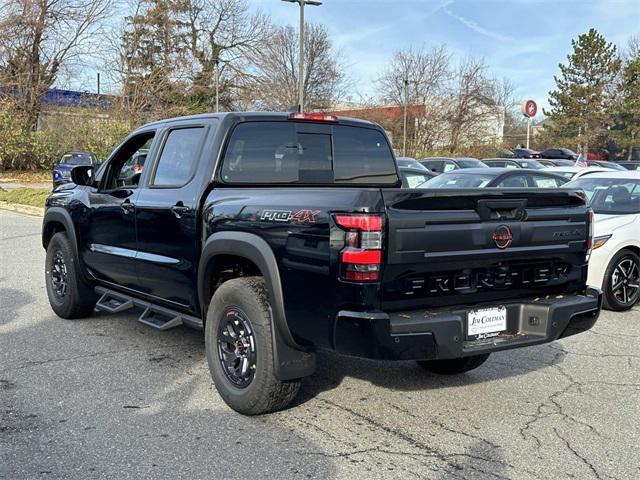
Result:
[{"x": 154, "y": 316}]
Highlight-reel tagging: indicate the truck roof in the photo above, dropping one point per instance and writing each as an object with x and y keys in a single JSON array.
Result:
[{"x": 248, "y": 116}]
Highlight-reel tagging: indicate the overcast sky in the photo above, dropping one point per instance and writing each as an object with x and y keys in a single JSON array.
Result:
[{"x": 523, "y": 40}]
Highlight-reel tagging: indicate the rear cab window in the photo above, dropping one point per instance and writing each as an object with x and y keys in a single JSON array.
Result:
[
  {"x": 289, "y": 152},
  {"x": 179, "y": 155}
]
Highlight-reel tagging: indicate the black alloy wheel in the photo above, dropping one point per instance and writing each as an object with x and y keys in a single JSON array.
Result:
[
  {"x": 237, "y": 347},
  {"x": 59, "y": 275}
]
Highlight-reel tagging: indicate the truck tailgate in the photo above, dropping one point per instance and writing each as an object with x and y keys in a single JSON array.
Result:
[{"x": 484, "y": 245}]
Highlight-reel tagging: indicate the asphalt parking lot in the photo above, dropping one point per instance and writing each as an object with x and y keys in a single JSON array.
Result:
[{"x": 106, "y": 397}]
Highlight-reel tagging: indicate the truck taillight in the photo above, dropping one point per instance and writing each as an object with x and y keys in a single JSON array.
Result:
[
  {"x": 590, "y": 235},
  {"x": 362, "y": 256}
]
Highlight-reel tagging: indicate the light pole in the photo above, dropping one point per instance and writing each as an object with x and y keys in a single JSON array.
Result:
[
  {"x": 302, "y": 3},
  {"x": 217, "y": 85},
  {"x": 404, "y": 128}
]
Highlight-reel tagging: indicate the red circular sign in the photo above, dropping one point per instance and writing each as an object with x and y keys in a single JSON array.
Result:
[
  {"x": 529, "y": 108},
  {"x": 502, "y": 236}
]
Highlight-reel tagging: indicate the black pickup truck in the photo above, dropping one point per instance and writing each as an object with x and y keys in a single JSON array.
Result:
[{"x": 283, "y": 234}]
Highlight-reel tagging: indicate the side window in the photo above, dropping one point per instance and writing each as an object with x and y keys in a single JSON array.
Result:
[
  {"x": 540, "y": 181},
  {"x": 434, "y": 165},
  {"x": 415, "y": 180},
  {"x": 179, "y": 155},
  {"x": 125, "y": 166},
  {"x": 448, "y": 166},
  {"x": 511, "y": 165},
  {"x": 513, "y": 181}
]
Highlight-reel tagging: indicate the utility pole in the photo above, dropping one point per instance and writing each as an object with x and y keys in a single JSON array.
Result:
[
  {"x": 98, "y": 78},
  {"x": 302, "y": 3},
  {"x": 404, "y": 128}
]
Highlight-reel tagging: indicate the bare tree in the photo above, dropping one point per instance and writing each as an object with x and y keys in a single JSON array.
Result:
[
  {"x": 632, "y": 49},
  {"x": 223, "y": 35},
  {"x": 37, "y": 38},
  {"x": 275, "y": 81},
  {"x": 424, "y": 71},
  {"x": 417, "y": 77}
]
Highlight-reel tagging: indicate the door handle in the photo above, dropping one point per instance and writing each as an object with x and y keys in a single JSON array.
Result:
[
  {"x": 127, "y": 207},
  {"x": 180, "y": 209}
]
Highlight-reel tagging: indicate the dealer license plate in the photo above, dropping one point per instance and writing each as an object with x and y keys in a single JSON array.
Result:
[{"x": 486, "y": 322}]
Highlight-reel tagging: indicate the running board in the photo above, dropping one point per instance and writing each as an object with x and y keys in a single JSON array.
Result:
[{"x": 154, "y": 316}]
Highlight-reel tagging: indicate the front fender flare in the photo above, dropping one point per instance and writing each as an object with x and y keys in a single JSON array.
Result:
[{"x": 291, "y": 360}]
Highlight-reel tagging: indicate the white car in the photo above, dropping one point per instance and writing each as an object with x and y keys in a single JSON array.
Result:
[
  {"x": 573, "y": 173},
  {"x": 614, "y": 265}
]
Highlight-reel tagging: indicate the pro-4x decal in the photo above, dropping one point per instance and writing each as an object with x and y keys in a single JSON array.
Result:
[{"x": 301, "y": 216}]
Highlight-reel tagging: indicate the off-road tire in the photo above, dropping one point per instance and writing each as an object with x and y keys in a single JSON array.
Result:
[
  {"x": 79, "y": 298},
  {"x": 454, "y": 366},
  {"x": 610, "y": 301},
  {"x": 265, "y": 393}
]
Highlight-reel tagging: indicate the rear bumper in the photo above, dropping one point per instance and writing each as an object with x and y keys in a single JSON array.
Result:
[{"x": 440, "y": 333}]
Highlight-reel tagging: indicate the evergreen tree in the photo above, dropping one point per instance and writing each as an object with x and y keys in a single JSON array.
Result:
[
  {"x": 154, "y": 46},
  {"x": 627, "y": 129},
  {"x": 582, "y": 104}
]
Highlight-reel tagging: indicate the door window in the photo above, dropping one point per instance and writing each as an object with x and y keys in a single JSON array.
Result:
[
  {"x": 540, "y": 181},
  {"x": 415, "y": 180},
  {"x": 125, "y": 166},
  {"x": 448, "y": 166},
  {"x": 178, "y": 157}
]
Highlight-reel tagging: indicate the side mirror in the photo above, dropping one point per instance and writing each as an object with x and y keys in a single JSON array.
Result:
[{"x": 82, "y": 175}]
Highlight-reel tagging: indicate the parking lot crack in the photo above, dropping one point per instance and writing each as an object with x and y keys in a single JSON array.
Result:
[
  {"x": 465, "y": 434},
  {"x": 426, "y": 450},
  {"x": 577, "y": 454}
]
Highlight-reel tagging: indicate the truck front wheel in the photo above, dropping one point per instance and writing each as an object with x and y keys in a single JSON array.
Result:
[
  {"x": 69, "y": 296},
  {"x": 239, "y": 348},
  {"x": 453, "y": 366}
]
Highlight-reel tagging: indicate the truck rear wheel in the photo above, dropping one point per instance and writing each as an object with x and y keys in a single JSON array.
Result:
[
  {"x": 239, "y": 348},
  {"x": 454, "y": 366},
  {"x": 69, "y": 295}
]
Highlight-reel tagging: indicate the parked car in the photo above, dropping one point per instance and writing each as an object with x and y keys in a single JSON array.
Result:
[
  {"x": 276, "y": 257},
  {"x": 132, "y": 169},
  {"x": 446, "y": 164},
  {"x": 556, "y": 162},
  {"x": 61, "y": 172},
  {"x": 630, "y": 165},
  {"x": 415, "y": 177},
  {"x": 525, "y": 153},
  {"x": 610, "y": 165},
  {"x": 408, "y": 162},
  {"x": 505, "y": 153},
  {"x": 615, "y": 261},
  {"x": 571, "y": 173},
  {"x": 559, "y": 153},
  {"x": 496, "y": 177},
  {"x": 513, "y": 163}
]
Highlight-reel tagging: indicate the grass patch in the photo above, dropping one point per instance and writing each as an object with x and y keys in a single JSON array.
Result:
[
  {"x": 20, "y": 176},
  {"x": 25, "y": 196}
]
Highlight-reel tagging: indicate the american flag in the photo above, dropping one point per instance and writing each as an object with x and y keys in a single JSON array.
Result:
[{"x": 581, "y": 161}]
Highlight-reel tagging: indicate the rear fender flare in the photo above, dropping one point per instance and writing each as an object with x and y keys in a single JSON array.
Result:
[{"x": 291, "y": 359}]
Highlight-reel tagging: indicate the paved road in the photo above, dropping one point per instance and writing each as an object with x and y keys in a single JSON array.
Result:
[
  {"x": 8, "y": 186},
  {"x": 106, "y": 397}
]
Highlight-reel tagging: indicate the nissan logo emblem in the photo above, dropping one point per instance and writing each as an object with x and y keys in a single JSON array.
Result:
[{"x": 502, "y": 236}]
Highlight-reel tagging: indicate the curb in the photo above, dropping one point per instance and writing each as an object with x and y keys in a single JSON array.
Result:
[{"x": 24, "y": 209}]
